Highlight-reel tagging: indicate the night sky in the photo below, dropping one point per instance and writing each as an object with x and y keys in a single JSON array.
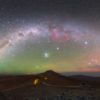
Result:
[{"x": 40, "y": 35}]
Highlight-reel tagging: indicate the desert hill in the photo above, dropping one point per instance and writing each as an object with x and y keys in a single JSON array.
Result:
[{"x": 49, "y": 78}]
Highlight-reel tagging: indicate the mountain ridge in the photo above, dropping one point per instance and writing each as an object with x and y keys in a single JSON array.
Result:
[{"x": 48, "y": 77}]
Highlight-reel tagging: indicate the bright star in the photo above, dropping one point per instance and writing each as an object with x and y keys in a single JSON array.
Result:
[
  {"x": 86, "y": 42},
  {"x": 46, "y": 55},
  {"x": 57, "y": 48}
]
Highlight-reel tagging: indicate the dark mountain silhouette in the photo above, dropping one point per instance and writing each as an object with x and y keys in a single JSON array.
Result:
[
  {"x": 49, "y": 78},
  {"x": 84, "y": 77}
]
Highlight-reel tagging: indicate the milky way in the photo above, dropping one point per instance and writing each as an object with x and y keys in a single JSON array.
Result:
[
  {"x": 38, "y": 36},
  {"x": 49, "y": 46}
]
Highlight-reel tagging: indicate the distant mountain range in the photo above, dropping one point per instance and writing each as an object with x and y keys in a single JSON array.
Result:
[{"x": 93, "y": 74}]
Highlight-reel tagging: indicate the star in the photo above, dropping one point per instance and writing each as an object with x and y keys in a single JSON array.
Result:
[
  {"x": 57, "y": 48},
  {"x": 86, "y": 42},
  {"x": 46, "y": 55},
  {"x": 36, "y": 66}
]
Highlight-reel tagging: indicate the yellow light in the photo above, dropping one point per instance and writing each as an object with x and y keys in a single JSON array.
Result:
[
  {"x": 36, "y": 82},
  {"x": 45, "y": 78}
]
